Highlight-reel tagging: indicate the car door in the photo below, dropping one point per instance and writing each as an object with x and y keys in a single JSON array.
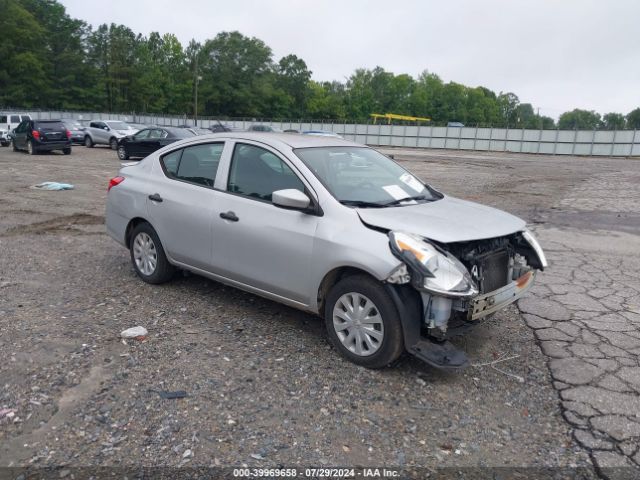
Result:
[
  {"x": 152, "y": 142},
  {"x": 20, "y": 137},
  {"x": 134, "y": 147},
  {"x": 255, "y": 242},
  {"x": 181, "y": 201}
]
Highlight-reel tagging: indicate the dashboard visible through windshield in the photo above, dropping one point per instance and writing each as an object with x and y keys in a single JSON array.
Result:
[{"x": 363, "y": 177}]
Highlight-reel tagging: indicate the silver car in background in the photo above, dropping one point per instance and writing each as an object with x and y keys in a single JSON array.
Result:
[{"x": 330, "y": 227}]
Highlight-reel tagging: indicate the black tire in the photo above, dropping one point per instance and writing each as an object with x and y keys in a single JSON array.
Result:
[
  {"x": 66, "y": 151},
  {"x": 164, "y": 270},
  {"x": 392, "y": 345},
  {"x": 113, "y": 143},
  {"x": 122, "y": 153},
  {"x": 31, "y": 149},
  {"x": 13, "y": 146},
  {"x": 88, "y": 142}
]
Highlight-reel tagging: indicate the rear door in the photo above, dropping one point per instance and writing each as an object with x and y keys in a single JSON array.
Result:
[{"x": 182, "y": 201}]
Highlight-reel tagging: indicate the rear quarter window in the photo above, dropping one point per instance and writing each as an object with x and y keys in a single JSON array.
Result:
[{"x": 170, "y": 163}]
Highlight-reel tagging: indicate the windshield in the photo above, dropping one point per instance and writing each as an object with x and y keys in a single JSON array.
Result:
[
  {"x": 118, "y": 125},
  {"x": 363, "y": 177}
]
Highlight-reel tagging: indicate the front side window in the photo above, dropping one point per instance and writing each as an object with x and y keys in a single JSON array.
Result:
[
  {"x": 360, "y": 176},
  {"x": 15, "y": 119},
  {"x": 197, "y": 164},
  {"x": 142, "y": 134},
  {"x": 257, "y": 173}
]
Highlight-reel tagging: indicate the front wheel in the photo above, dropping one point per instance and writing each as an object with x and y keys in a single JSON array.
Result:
[
  {"x": 148, "y": 257},
  {"x": 363, "y": 323},
  {"x": 113, "y": 143},
  {"x": 122, "y": 153},
  {"x": 88, "y": 142}
]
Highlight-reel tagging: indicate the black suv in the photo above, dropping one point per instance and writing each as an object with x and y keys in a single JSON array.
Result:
[{"x": 41, "y": 136}]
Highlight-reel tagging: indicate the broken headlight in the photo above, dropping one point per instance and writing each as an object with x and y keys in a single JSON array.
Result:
[{"x": 433, "y": 270}]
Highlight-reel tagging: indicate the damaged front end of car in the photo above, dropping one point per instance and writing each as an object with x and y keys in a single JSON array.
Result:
[{"x": 458, "y": 284}]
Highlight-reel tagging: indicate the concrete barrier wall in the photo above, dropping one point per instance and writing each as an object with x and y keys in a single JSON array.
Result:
[{"x": 550, "y": 142}]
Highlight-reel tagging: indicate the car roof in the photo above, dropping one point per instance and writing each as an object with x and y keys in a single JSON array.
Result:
[{"x": 293, "y": 140}]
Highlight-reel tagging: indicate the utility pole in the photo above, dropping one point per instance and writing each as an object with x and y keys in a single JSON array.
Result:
[{"x": 195, "y": 102}]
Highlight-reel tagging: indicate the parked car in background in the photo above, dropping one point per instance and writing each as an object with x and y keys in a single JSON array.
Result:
[
  {"x": 455, "y": 124},
  {"x": 106, "y": 132},
  {"x": 198, "y": 130},
  {"x": 320, "y": 133},
  {"x": 140, "y": 126},
  {"x": 37, "y": 136},
  {"x": 220, "y": 127},
  {"x": 8, "y": 122},
  {"x": 76, "y": 129},
  {"x": 263, "y": 128},
  {"x": 330, "y": 227},
  {"x": 149, "y": 140}
]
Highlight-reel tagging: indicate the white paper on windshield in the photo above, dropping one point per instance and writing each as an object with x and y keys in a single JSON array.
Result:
[
  {"x": 396, "y": 192},
  {"x": 412, "y": 182}
]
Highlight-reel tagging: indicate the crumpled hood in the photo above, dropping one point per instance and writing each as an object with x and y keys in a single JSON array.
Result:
[{"x": 447, "y": 220}]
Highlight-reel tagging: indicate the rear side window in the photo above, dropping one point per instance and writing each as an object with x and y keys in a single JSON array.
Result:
[
  {"x": 197, "y": 164},
  {"x": 16, "y": 119},
  {"x": 3, "y": 119}
]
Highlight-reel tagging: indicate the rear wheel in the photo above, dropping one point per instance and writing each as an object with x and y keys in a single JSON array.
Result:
[
  {"x": 13, "y": 146},
  {"x": 148, "y": 257},
  {"x": 362, "y": 322},
  {"x": 88, "y": 142},
  {"x": 66, "y": 151},
  {"x": 113, "y": 143},
  {"x": 122, "y": 153},
  {"x": 31, "y": 150}
]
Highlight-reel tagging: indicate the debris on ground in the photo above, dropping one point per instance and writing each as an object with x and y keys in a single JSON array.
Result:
[
  {"x": 54, "y": 186},
  {"x": 170, "y": 395},
  {"x": 137, "y": 333}
]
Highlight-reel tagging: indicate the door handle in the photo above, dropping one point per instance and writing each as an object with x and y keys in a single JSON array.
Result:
[
  {"x": 229, "y": 216},
  {"x": 155, "y": 197}
]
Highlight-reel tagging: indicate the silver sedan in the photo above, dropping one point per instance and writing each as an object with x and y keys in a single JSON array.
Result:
[{"x": 330, "y": 227}]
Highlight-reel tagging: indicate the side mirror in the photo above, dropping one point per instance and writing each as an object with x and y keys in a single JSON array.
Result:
[
  {"x": 391, "y": 156},
  {"x": 105, "y": 128},
  {"x": 291, "y": 199}
]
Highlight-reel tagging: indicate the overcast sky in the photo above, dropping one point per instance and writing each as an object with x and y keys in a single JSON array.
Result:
[{"x": 555, "y": 54}]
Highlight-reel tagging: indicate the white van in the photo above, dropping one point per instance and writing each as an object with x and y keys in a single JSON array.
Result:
[{"x": 8, "y": 122}]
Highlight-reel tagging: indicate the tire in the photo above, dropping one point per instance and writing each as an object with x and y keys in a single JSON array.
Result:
[
  {"x": 31, "y": 150},
  {"x": 122, "y": 153},
  {"x": 88, "y": 142},
  {"x": 66, "y": 151},
  {"x": 13, "y": 146},
  {"x": 381, "y": 316},
  {"x": 113, "y": 143},
  {"x": 142, "y": 252}
]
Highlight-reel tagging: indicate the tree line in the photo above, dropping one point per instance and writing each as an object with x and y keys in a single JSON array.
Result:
[{"x": 49, "y": 60}]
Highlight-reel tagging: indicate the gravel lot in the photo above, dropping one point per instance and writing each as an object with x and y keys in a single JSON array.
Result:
[{"x": 265, "y": 389}]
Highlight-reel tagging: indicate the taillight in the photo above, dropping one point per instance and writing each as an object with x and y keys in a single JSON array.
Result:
[
  {"x": 115, "y": 181},
  {"x": 35, "y": 134},
  {"x": 68, "y": 133}
]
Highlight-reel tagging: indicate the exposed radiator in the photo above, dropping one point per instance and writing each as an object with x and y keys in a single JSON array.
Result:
[{"x": 493, "y": 270}]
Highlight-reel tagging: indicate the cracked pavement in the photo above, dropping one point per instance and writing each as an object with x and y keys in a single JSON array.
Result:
[{"x": 585, "y": 309}]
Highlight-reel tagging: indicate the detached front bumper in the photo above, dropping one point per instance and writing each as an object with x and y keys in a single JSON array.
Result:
[{"x": 491, "y": 302}]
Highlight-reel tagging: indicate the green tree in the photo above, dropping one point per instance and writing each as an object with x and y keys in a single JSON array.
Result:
[
  {"x": 613, "y": 121},
  {"x": 292, "y": 77},
  {"x": 633, "y": 119},
  {"x": 578, "y": 119}
]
